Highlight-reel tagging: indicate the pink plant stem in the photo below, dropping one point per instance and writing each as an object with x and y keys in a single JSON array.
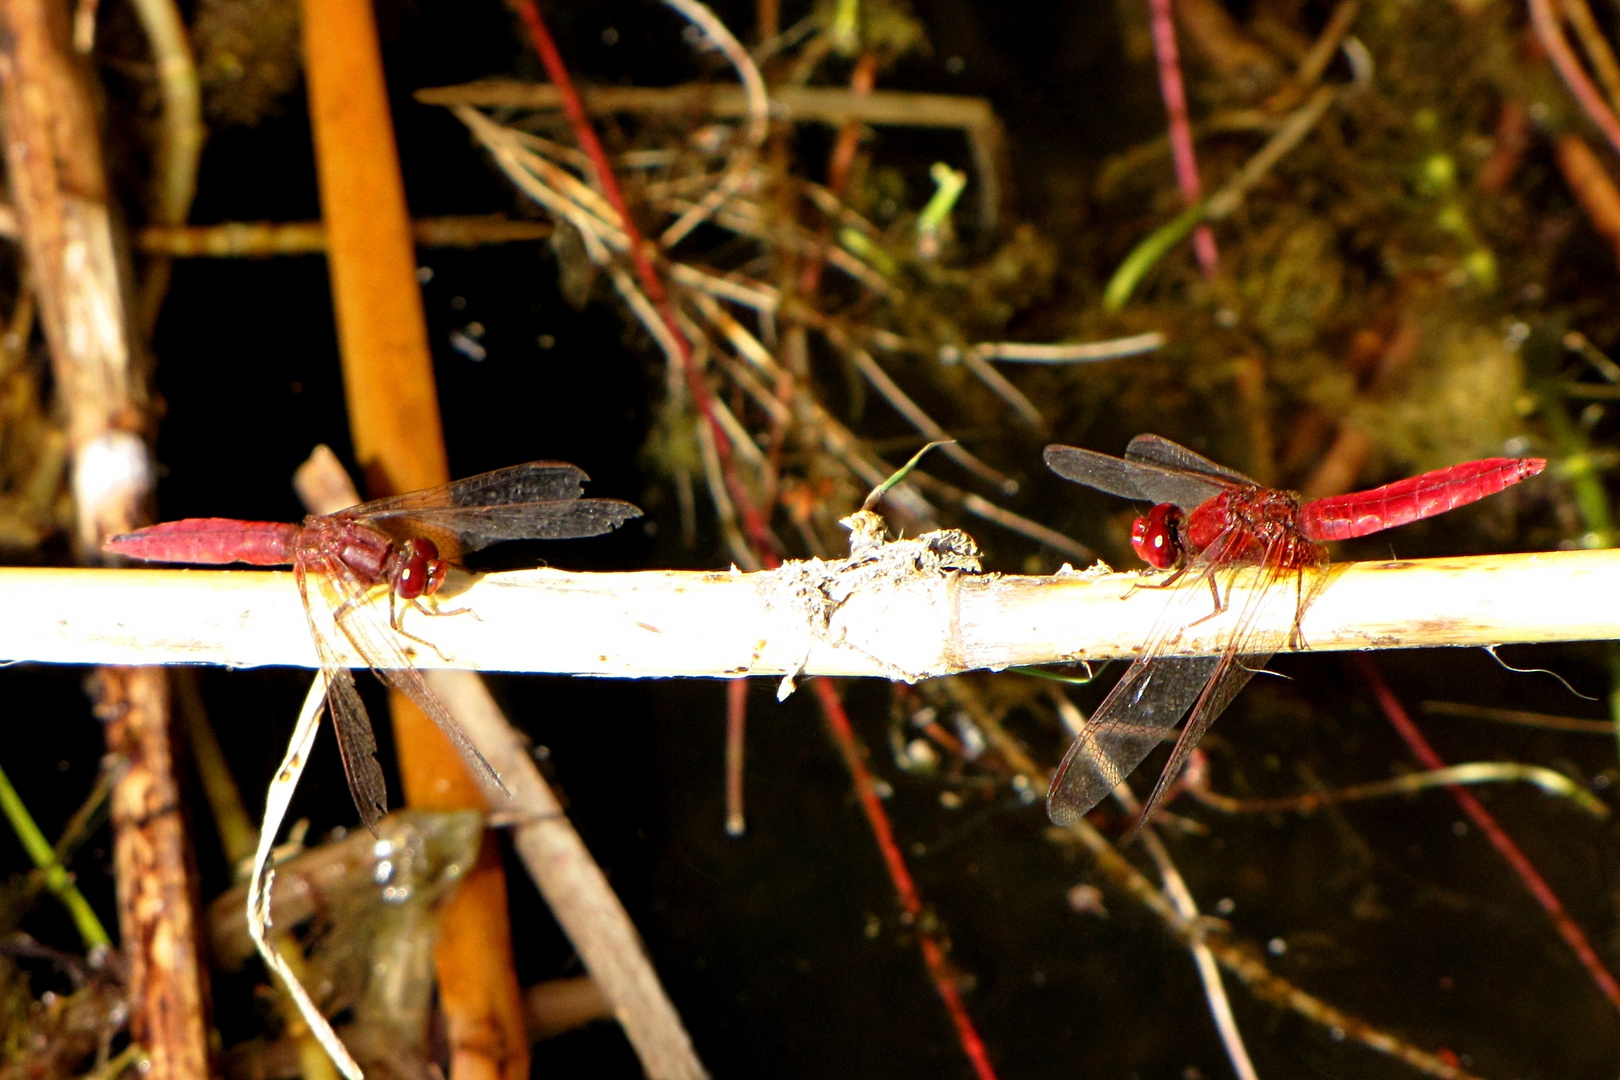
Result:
[
  {"x": 933, "y": 956},
  {"x": 736, "y": 725},
  {"x": 574, "y": 109},
  {"x": 1181, "y": 141},
  {"x": 1550, "y": 31},
  {"x": 1482, "y": 819}
]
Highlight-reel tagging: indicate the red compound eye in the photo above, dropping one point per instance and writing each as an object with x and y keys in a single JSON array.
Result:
[
  {"x": 418, "y": 570},
  {"x": 437, "y": 568},
  {"x": 1156, "y": 538}
]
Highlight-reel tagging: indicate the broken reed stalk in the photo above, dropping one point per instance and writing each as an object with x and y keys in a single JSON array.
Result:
[
  {"x": 665, "y": 321},
  {"x": 903, "y": 623}
]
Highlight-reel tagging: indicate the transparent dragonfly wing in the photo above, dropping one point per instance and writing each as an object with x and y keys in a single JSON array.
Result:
[
  {"x": 1157, "y": 451},
  {"x": 1148, "y": 701},
  {"x": 461, "y": 529},
  {"x": 1140, "y": 481},
  {"x": 533, "y": 481},
  {"x": 1157, "y": 691},
  {"x": 357, "y": 743},
  {"x": 539, "y": 500},
  {"x": 379, "y": 645}
]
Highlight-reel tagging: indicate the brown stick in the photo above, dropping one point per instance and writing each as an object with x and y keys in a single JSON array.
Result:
[
  {"x": 157, "y": 907},
  {"x": 58, "y": 181}
]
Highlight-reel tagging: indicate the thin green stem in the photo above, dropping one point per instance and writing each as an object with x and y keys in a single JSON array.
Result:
[
  {"x": 1146, "y": 255},
  {"x": 57, "y": 878}
]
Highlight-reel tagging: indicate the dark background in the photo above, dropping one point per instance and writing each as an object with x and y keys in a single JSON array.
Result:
[{"x": 766, "y": 942}]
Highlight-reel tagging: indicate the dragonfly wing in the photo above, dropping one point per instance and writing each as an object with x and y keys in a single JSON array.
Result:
[
  {"x": 1101, "y": 471},
  {"x": 1154, "y": 694},
  {"x": 533, "y": 481},
  {"x": 379, "y": 645},
  {"x": 469, "y": 528},
  {"x": 1254, "y": 641},
  {"x": 1229, "y": 676},
  {"x": 1144, "y": 481},
  {"x": 357, "y": 743},
  {"x": 1156, "y": 450},
  {"x": 1148, "y": 701}
]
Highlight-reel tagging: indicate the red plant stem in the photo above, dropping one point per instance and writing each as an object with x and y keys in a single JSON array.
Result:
[
  {"x": 1544, "y": 17},
  {"x": 574, "y": 109},
  {"x": 736, "y": 724},
  {"x": 1181, "y": 141},
  {"x": 933, "y": 956},
  {"x": 1482, "y": 819}
]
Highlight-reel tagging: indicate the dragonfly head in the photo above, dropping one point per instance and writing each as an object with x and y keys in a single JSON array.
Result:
[
  {"x": 1156, "y": 538},
  {"x": 418, "y": 570}
]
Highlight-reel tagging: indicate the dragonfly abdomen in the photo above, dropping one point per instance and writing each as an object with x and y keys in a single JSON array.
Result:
[
  {"x": 1360, "y": 513},
  {"x": 210, "y": 541}
]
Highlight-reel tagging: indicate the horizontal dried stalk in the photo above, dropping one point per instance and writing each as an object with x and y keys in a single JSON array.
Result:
[
  {"x": 795, "y": 104},
  {"x": 261, "y": 238},
  {"x": 870, "y": 619}
]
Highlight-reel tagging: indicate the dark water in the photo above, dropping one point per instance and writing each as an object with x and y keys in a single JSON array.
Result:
[{"x": 784, "y": 950}]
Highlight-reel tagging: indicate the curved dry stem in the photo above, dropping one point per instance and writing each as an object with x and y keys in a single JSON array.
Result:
[{"x": 1479, "y": 772}]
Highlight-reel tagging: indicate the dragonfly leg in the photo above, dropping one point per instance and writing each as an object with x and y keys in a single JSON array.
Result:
[
  {"x": 1296, "y": 636},
  {"x": 399, "y": 625},
  {"x": 435, "y": 611},
  {"x": 1175, "y": 576},
  {"x": 1215, "y": 590}
]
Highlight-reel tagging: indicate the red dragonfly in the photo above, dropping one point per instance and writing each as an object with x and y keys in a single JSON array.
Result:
[
  {"x": 1206, "y": 518},
  {"x": 404, "y": 543}
]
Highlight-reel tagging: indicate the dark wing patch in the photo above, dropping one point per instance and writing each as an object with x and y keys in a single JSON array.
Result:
[
  {"x": 1156, "y": 450},
  {"x": 1140, "y": 480}
]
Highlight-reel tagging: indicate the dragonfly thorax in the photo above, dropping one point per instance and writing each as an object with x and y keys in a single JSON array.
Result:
[{"x": 1251, "y": 526}]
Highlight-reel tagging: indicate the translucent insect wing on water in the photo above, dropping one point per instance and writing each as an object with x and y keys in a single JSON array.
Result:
[
  {"x": 473, "y": 527},
  {"x": 1157, "y": 691}
]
